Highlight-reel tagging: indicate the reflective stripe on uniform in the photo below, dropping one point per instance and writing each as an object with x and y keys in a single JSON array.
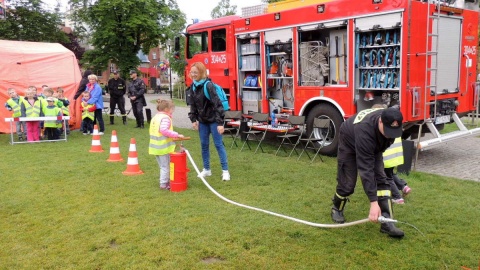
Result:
[
  {"x": 361, "y": 115},
  {"x": 384, "y": 193}
]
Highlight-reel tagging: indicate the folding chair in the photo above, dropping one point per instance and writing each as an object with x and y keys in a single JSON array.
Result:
[
  {"x": 323, "y": 126},
  {"x": 293, "y": 137},
  {"x": 256, "y": 134},
  {"x": 232, "y": 131}
]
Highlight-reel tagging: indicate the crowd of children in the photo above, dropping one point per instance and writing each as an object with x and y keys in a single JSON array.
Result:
[{"x": 48, "y": 103}]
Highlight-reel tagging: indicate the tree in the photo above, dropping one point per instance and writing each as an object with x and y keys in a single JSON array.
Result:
[
  {"x": 177, "y": 62},
  {"x": 223, "y": 9},
  {"x": 74, "y": 45},
  {"x": 28, "y": 20},
  {"x": 120, "y": 28}
]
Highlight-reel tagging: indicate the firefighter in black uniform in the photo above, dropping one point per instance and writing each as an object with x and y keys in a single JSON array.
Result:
[
  {"x": 362, "y": 140},
  {"x": 136, "y": 91},
  {"x": 117, "y": 88}
]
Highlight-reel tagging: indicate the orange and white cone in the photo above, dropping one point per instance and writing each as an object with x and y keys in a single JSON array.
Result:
[
  {"x": 96, "y": 144},
  {"x": 132, "y": 163},
  {"x": 114, "y": 149}
]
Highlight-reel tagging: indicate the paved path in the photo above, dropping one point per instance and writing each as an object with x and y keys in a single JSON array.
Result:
[{"x": 459, "y": 158}]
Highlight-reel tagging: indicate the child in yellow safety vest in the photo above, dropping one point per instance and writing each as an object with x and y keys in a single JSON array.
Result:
[
  {"x": 161, "y": 139},
  {"x": 32, "y": 107},
  {"x": 14, "y": 104},
  {"x": 393, "y": 157},
  {"x": 88, "y": 114},
  {"x": 63, "y": 103},
  {"x": 51, "y": 126}
]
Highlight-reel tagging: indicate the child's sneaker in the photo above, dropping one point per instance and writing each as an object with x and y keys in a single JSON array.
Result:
[
  {"x": 398, "y": 201},
  {"x": 225, "y": 176},
  {"x": 85, "y": 133},
  {"x": 165, "y": 187},
  {"x": 205, "y": 173},
  {"x": 406, "y": 190}
]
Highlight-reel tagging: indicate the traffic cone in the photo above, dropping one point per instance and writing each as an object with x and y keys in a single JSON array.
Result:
[
  {"x": 114, "y": 149},
  {"x": 96, "y": 144},
  {"x": 132, "y": 163}
]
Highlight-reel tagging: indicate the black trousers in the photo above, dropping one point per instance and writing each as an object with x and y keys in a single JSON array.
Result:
[
  {"x": 120, "y": 101},
  {"x": 137, "y": 108},
  {"x": 99, "y": 118},
  {"x": 347, "y": 171},
  {"x": 52, "y": 133},
  {"x": 393, "y": 187}
]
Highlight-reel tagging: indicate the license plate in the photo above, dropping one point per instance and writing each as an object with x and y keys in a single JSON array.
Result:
[{"x": 442, "y": 119}]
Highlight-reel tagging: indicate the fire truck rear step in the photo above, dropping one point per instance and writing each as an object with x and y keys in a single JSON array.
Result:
[{"x": 443, "y": 138}]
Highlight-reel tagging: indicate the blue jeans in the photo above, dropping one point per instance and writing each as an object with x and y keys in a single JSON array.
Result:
[
  {"x": 164, "y": 164},
  {"x": 205, "y": 129}
]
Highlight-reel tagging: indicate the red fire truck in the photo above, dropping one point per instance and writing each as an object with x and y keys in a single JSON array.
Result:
[{"x": 332, "y": 59}]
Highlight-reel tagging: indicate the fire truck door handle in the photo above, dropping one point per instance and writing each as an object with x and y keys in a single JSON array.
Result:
[{"x": 226, "y": 72}]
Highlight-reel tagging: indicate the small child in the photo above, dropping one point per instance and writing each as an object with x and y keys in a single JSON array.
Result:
[
  {"x": 14, "y": 104},
  {"x": 51, "y": 128},
  {"x": 64, "y": 102},
  {"x": 88, "y": 114},
  {"x": 32, "y": 107},
  {"x": 161, "y": 142}
]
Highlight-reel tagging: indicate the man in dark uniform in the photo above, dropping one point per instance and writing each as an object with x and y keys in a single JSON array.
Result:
[
  {"x": 136, "y": 91},
  {"x": 117, "y": 88},
  {"x": 362, "y": 140}
]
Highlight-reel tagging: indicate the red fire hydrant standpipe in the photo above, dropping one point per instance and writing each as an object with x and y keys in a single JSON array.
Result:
[
  {"x": 178, "y": 167},
  {"x": 381, "y": 219}
]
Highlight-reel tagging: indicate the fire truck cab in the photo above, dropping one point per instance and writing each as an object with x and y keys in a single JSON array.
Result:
[{"x": 332, "y": 59}]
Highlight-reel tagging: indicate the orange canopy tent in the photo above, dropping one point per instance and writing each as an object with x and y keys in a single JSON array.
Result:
[{"x": 24, "y": 64}]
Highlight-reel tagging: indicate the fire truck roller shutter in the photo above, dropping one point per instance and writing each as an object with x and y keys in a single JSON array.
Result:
[
  {"x": 448, "y": 55},
  {"x": 384, "y": 21},
  {"x": 326, "y": 110},
  {"x": 282, "y": 35}
]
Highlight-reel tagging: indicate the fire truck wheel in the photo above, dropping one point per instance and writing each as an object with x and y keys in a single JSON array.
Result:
[{"x": 326, "y": 111}]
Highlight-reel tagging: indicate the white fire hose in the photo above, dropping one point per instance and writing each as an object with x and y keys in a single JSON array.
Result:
[{"x": 381, "y": 219}]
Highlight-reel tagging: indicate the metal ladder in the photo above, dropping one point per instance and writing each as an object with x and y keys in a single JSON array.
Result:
[{"x": 431, "y": 64}]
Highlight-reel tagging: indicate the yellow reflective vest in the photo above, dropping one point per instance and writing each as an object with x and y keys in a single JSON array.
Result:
[
  {"x": 51, "y": 111},
  {"x": 16, "y": 107},
  {"x": 159, "y": 144},
  {"x": 32, "y": 111},
  {"x": 393, "y": 156},
  {"x": 85, "y": 112}
]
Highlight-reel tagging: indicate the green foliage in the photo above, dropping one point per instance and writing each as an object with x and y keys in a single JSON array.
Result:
[
  {"x": 178, "y": 63},
  {"x": 27, "y": 20},
  {"x": 223, "y": 9},
  {"x": 119, "y": 29},
  {"x": 65, "y": 208},
  {"x": 74, "y": 45}
]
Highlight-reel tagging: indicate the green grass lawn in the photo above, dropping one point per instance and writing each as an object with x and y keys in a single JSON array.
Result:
[{"x": 65, "y": 208}]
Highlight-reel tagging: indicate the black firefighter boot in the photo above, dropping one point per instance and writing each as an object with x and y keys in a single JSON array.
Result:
[
  {"x": 138, "y": 124},
  {"x": 124, "y": 119},
  {"x": 337, "y": 208},
  {"x": 111, "y": 119},
  {"x": 389, "y": 228}
]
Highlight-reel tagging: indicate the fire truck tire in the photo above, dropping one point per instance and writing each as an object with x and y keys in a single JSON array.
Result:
[{"x": 326, "y": 111}]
